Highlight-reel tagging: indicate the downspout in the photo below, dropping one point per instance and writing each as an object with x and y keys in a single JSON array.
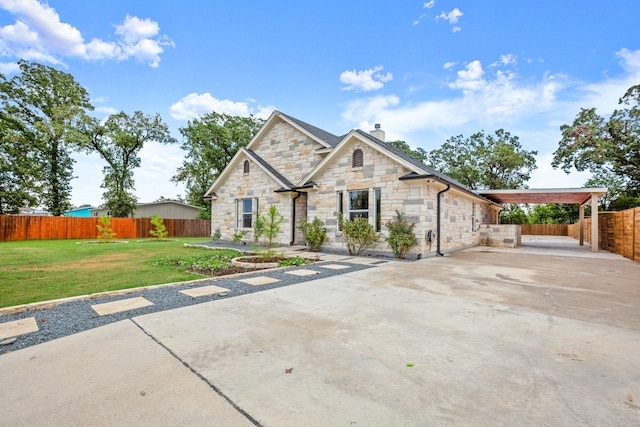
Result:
[
  {"x": 438, "y": 251},
  {"x": 293, "y": 217}
]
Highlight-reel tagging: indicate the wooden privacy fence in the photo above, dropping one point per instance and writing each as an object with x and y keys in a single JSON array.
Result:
[
  {"x": 618, "y": 232},
  {"x": 62, "y": 227},
  {"x": 545, "y": 229}
]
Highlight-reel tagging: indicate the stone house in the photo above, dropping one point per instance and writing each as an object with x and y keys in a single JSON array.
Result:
[{"x": 307, "y": 172}]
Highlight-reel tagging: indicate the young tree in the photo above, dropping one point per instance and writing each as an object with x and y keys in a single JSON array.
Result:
[
  {"x": 485, "y": 161},
  {"x": 118, "y": 141},
  {"x": 42, "y": 108},
  {"x": 210, "y": 143},
  {"x": 591, "y": 143}
]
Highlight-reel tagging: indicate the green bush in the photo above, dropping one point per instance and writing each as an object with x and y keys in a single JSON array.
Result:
[
  {"x": 401, "y": 237},
  {"x": 358, "y": 234},
  {"x": 314, "y": 233}
]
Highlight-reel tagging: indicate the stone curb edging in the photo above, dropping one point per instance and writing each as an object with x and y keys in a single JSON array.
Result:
[{"x": 44, "y": 305}]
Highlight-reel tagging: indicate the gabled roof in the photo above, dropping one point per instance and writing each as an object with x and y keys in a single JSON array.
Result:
[
  {"x": 418, "y": 170},
  {"x": 327, "y": 137},
  {"x": 318, "y": 135},
  {"x": 266, "y": 167}
]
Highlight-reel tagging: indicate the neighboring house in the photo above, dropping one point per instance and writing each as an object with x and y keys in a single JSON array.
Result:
[
  {"x": 166, "y": 210},
  {"x": 33, "y": 212},
  {"x": 307, "y": 172},
  {"x": 84, "y": 212}
]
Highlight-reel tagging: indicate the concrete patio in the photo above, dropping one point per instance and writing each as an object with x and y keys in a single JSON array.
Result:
[{"x": 545, "y": 334}]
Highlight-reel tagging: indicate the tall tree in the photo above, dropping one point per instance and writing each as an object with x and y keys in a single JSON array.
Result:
[
  {"x": 18, "y": 173},
  {"x": 119, "y": 141},
  {"x": 419, "y": 153},
  {"x": 599, "y": 145},
  {"x": 43, "y": 107},
  {"x": 485, "y": 161},
  {"x": 210, "y": 143}
]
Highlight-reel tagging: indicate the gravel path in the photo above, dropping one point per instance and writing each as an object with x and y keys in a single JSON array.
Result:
[{"x": 73, "y": 317}]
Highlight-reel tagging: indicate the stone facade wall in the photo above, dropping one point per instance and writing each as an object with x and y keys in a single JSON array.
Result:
[
  {"x": 257, "y": 185},
  {"x": 288, "y": 151},
  {"x": 415, "y": 199},
  {"x": 500, "y": 235}
]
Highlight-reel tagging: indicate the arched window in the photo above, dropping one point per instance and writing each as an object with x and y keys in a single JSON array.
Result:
[
  {"x": 357, "y": 160},
  {"x": 246, "y": 166}
]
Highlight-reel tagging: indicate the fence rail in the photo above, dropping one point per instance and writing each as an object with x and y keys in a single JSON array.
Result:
[
  {"x": 618, "y": 232},
  {"x": 61, "y": 227},
  {"x": 545, "y": 229}
]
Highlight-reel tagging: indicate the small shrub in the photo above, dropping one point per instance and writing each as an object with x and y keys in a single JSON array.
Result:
[
  {"x": 294, "y": 262},
  {"x": 217, "y": 234},
  {"x": 158, "y": 229},
  {"x": 314, "y": 233},
  {"x": 105, "y": 233},
  {"x": 258, "y": 228},
  {"x": 358, "y": 234},
  {"x": 238, "y": 236},
  {"x": 401, "y": 237}
]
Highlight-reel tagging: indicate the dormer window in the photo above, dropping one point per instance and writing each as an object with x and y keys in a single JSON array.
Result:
[
  {"x": 357, "y": 159},
  {"x": 246, "y": 167}
]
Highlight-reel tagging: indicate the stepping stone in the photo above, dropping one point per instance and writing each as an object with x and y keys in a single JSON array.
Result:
[
  {"x": 204, "y": 291},
  {"x": 303, "y": 272},
  {"x": 364, "y": 261},
  {"x": 259, "y": 281},
  {"x": 18, "y": 327},
  {"x": 334, "y": 266},
  {"x": 120, "y": 306}
]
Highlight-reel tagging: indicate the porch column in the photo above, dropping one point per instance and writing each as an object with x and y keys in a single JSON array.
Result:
[
  {"x": 594, "y": 223},
  {"x": 581, "y": 237}
]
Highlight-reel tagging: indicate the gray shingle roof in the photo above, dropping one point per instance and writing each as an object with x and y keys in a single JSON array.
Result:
[
  {"x": 327, "y": 137},
  {"x": 270, "y": 168}
]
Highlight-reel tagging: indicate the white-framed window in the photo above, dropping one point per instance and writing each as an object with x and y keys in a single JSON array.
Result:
[
  {"x": 358, "y": 204},
  {"x": 245, "y": 212}
]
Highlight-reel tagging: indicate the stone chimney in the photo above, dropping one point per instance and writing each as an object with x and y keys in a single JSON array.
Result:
[{"x": 378, "y": 133}]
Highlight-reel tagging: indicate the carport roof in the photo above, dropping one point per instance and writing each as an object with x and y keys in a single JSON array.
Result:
[{"x": 543, "y": 195}]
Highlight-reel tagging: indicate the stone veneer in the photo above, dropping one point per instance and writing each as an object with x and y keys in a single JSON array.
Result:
[
  {"x": 415, "y": 199},
  {"x": 500, "y": 235},
  {"x": 294, "y": 155},
  {"x": 288, "y": 151}
]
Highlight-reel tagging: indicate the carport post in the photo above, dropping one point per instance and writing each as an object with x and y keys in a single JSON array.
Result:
[
  {"x": 594, "y": 222},
  {"x": 581, "y": 225}
]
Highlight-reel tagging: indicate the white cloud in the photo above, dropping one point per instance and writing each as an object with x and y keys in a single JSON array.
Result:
[
  {"x": 39, "y": 34},
  {"x": 366, "y": 80},
  {"x": 449, "y": 65},
  {"x": 196, "y": 105},
  {"x": 429, "y": 4},
  {"x": 506, "y": 60},
  {"x": 9, "y": 67},
  {"x": 452, "y": 17},
  {"x": 470, "y": 78}
]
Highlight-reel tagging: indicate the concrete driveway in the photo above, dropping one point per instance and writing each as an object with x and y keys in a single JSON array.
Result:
[{"x": 546, "y": 334}]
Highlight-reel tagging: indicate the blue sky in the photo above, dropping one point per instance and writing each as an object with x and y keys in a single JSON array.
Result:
[{"x": 425, "y": 71}]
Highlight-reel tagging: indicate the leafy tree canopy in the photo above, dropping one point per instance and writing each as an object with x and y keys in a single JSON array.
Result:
[
  {"x": 418, "y": 154},
  {"x": 41, "y": 110},
  {"x": 599, "y": 145},
  {"x": 481, "y": 161},
  {"x": 119, "y": 141},
  {"x": 210, "y": 143}
]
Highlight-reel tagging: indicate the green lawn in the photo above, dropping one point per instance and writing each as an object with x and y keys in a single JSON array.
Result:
[{"x": 40, "y": 270}]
